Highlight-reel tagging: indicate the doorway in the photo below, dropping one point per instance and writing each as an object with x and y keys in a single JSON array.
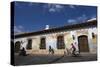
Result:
[
  {"x": 17, "y": 46},
  {"x": 83, "y": 43}
]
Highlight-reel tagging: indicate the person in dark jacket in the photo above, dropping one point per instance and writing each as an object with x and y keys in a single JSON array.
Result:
[{"x": 51, "y": 50}]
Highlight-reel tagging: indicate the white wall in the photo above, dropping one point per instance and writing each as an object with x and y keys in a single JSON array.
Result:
[
  {"x": 51, "y": 40},
  {"x": 23, "y": 44}
]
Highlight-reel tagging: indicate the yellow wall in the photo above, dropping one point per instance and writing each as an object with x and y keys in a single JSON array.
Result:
[{"x": 94, "y": 40}]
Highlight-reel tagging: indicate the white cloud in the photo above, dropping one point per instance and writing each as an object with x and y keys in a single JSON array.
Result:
[
  {"x": 93, "y": 16},
  {"x": 21, "y": 27},
  {"x": 82, "y": 18},
  {"x": 32, "y": 4},
  {"x": 71, "y": 20},
  {"x": 52, "y": 10},
  {"x": 53, "y": 7},
  {"x": 18, "y": 29},
  {"x": 72, "y": 6},
  {"x": 58, "y": 6},
  {"x": 79, "y": 19}
]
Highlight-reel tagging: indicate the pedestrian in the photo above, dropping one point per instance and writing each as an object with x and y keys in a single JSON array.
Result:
[{"x": 49, "y": 49}]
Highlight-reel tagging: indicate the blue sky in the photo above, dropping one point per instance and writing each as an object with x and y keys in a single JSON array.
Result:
[{"x": 31, "y": 17}]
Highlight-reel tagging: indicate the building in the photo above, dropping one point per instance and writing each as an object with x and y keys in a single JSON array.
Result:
[{"x": 83, "y": 34}]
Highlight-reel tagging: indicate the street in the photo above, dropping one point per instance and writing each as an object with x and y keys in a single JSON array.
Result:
[{"x": 49, "y": 59}]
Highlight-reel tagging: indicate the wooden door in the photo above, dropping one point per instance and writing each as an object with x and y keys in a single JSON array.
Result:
[{"x": 83, "y": 43}]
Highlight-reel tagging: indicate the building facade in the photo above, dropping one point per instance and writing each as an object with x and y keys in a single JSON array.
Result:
[{"x": 83, "y": 36}]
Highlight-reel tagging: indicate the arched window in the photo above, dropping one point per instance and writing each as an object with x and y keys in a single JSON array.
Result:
[
  {"x": 60, "y": 42},
  {"x": 17, "y": 46}
]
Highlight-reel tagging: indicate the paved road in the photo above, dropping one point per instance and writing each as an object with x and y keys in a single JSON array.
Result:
[
  {"x": 46, "y": 59},
  {"x": 65, "y": 59}
]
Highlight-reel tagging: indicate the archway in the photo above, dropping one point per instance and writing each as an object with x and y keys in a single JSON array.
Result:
[
  {"x": 83, "y": 43},
  {"x": 17, "y": 46}
]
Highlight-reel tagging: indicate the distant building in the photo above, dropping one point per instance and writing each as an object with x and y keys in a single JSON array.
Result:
[{"x": 84, "y": 34}]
